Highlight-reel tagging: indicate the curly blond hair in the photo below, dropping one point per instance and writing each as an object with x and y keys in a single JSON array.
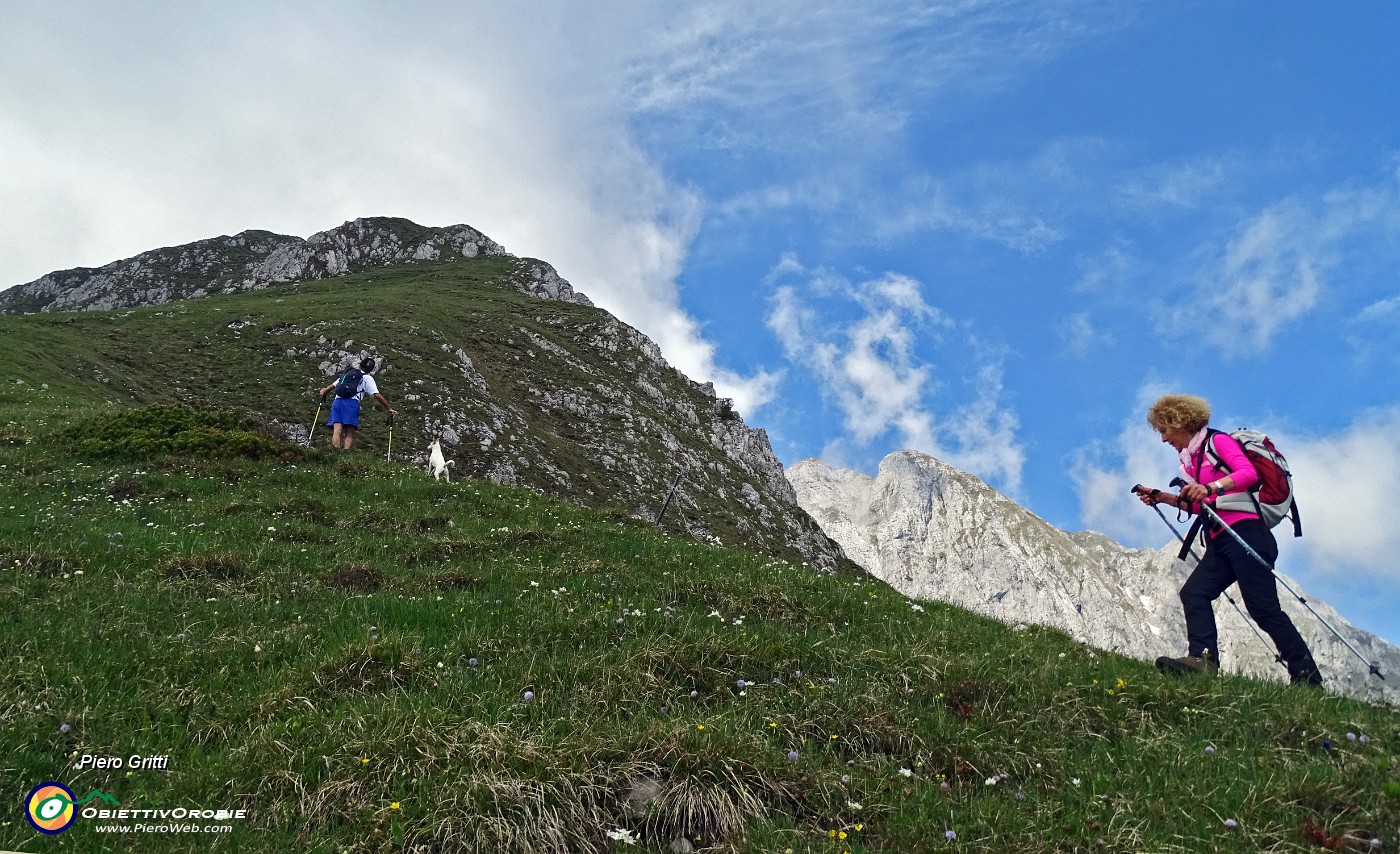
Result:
[{"x": 1179, "y": 410}]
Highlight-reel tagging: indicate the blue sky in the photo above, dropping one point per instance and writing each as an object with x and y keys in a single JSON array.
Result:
[{"x": 993, "y": 231}]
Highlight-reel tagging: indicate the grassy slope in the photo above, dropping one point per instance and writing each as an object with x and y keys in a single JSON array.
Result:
[
  {"x": 298, "y": 635},
  {"x": 258, "y": 354}
]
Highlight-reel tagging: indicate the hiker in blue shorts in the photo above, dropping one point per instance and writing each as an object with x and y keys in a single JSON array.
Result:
[{"x": 350, "y": 387}]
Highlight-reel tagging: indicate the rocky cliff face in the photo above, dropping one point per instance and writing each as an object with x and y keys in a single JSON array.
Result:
[
  {"x": 934, "y": 532},
  {"x": 252, "y": 260}
]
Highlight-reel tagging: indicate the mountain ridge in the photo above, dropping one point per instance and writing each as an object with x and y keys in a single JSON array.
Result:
[{"x": 256, "y": 259}]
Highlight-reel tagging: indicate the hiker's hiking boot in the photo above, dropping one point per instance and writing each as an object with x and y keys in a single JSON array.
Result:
[
  {"x": 1304, "y": 673},
  {"x": 1189, "y": 664}
]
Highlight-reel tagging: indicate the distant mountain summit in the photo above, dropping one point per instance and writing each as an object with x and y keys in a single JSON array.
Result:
[
  {"x": 252, "y": 260},
  {"x": 934, "y": 532}
]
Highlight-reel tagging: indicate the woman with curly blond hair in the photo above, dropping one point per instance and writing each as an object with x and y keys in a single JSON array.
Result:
[{"x": 1183, "y": 421}]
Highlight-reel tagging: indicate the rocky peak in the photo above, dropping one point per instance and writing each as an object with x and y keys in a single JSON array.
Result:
[{"x": 252, "y": 260}]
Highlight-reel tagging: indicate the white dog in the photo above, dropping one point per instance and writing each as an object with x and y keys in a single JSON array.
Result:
[{"x": 437, "y": 466}]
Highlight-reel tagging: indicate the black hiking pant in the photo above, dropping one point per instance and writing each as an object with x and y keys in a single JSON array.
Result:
[{"x": 1226, "y": 562}]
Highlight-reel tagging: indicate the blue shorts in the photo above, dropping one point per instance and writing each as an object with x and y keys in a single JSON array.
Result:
[{"x": 345, "y": 410}]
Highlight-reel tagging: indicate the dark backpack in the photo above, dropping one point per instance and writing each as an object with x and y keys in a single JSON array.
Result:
[{"x": 349, "y": 384}]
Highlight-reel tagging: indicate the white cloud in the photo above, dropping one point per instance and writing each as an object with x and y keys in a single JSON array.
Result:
[
  {"x": 1115, "y": 268},
  {"x": 1268, "y": 277},
  {"x": 872, "y": 369},
  {"x": 931, "y": 207},
  {"x": 1178, "y": 185},
  {"x": 1275, "y": 269},
  {"x": 1080, "y": 337},
  {"x": 1380, "y": 311},
  {"x": 1104, "y": 473},
  {"x": 1344, "y": 483},
  {"x": 790, "y": 73}
]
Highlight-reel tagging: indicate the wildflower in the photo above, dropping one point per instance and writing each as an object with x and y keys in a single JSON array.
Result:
[
  {"x": 1074, "y": 780},
  {"x": 1210, "y": 748},
  {"x": 845, "y": 778},
  {"x": 905, "y": 772},
  {"x": 855, "y": 806},
  {"x": 1365, "y": 739},
  {"x": 1326, "y": 745},
  {"x": 64, "y": 729},
  {"x": 694, "y": 694},
  {"x": 623, "y": 835},
  {"x": 950, "y": 835},
  {"x": 1351, "y": 736},
  {"x": 1375, "y": 844},
  {"x": 699, "y": 726},
  {"x": 529, "y": 695},
  {"x": 792, "y": 755},
  {"x": 471, "y": 662},
  {"x": 364, "y": 760},
  {"x": 394, "y": 805},
  {"x": 739, "y": 683},
  {"x": 1231, "y": 823}
]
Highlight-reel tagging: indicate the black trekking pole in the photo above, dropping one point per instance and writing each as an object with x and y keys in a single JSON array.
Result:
[
  {"x": 667, "y": 504},
  {"x": 1373, "y": 667},
  {"x": 1139, "y": 489},
  {"x": 311, "y": 431}
]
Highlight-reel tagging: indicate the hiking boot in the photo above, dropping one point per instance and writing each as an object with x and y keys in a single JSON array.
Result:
[
  {"x": 1188, "y": 665},
  {"x": 1304, "y": 673}
]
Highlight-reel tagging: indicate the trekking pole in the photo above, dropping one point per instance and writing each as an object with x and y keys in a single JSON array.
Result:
[
  {"x": 1139, "y": 489},
  {"x": 1374, "y": 667},
  {"x": 674, "y": 484},
  {"x": 390, "y": 455},
  {"x": 311, "y": 431}
]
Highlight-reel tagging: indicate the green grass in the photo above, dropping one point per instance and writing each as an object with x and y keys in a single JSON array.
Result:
[{"x": 343, "y": 647}]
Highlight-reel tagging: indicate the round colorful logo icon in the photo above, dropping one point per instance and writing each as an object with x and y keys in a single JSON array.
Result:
[{"x": 49, "y": 807}]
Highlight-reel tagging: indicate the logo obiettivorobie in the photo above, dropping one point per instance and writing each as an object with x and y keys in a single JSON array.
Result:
[{"x": 51, "y": 807}]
